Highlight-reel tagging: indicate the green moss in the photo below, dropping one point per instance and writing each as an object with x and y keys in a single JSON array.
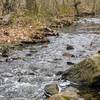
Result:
[{"x": 66, "y": 98}]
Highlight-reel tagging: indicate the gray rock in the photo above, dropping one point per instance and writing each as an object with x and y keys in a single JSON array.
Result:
[
  {"x": 51, "y": 89},
  {"x": 2, "y": 97},
  {"x": 69, "y": 47},
  {"x": 86, "y": 72},
  {"x": 5, "y": 74}
]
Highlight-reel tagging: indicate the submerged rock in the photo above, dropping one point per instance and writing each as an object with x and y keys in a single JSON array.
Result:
[
  {"x": 86, "y": 72},
  {"x": 70, "y": 63},
  {"x": 68, "y": 55},
  {"x": 2, "y": 97},
  {"x": 69, "y": 47},
  {"x": 51, "y": 89},
  {"x": 4, "y": 51}
]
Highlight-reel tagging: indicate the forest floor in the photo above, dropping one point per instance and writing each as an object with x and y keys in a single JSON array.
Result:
[{"x": 35, "y": 31}]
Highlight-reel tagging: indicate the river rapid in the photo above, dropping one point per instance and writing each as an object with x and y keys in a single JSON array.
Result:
[{"x": 25, "y": 72}]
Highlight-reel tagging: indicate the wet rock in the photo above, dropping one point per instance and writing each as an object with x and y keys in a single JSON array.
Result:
[
  {"x": 33, "y": 51},
  {"x": 67, "y": 95},
  {"x": 68, "y": 55},
  {"x": 10, "y": 59},
  {"x": 70, "y": 63},
  {"x": 51, "y": 89},
  {"x": 59, "y": 73},
  {"x": 86, "y": 72},
  {"x": 5, "y": 74},
  {"x": 2, "y": 97},
  {"x": 98, "y": 51},
  {"x": 4, "y": 51},
  {"x": 28, "y": 54},
  {"x": 69, "y": 47}
]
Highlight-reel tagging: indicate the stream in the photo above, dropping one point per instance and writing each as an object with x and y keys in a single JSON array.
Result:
[{"x": 25, "y": 72}]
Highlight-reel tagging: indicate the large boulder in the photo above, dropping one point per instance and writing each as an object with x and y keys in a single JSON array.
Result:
[{"x": 87, "y": 72}]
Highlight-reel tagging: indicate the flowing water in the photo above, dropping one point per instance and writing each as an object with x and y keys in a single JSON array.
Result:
[{"x": 26, "y": 71}]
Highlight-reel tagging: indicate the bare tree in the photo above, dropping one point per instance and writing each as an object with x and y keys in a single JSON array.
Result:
[
  {"x": 76, "y": 3},
  {"x": 93, "y": 7},
  {"x": 31, "y": 5}
]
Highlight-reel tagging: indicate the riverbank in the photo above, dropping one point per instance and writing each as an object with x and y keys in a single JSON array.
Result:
[{"x": 31, "y": 30}]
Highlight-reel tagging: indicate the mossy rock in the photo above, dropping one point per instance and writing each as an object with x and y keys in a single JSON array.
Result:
[
  {"x": 66, "y": 95},
  {"x": 86, "y": 72},
  {"x": 65, "y": 98},
  {"x": 58, "y": 97}
]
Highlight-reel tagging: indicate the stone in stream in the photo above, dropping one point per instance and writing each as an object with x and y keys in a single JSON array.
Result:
[
  {"x": 68, "y": 55},
  {"x": 51, "y": 89},
  {"x": 86, "y": 72},
  {"x": 69, "y": 47},
  {"x": 59, "y": 73},
  {"x": 2, "y": 97},
  {"x": 70, "y": 63},
  {"x": 67, "y": 95},
  {"x": 29, "y": 54},
  {"x": 4, "y": 51}
]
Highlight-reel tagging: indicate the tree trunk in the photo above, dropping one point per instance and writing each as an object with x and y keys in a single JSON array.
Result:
[
  {"x": 93, "y": 7},
  {"x": 31, "y": 5},
  {"x": 76, "y": 7},
  {"x": 8, "y": 6}
]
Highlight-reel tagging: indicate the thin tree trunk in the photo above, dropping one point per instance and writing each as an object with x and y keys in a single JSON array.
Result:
[
  {"x": 31, "y": 5},
  {"x": 76, "y": 7},
  {"x": 8, "y": 6},
  {"x": 93, "y": 7}
]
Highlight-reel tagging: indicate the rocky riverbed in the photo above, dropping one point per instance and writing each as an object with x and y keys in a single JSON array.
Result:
[{"x": 26, "y": 70}]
